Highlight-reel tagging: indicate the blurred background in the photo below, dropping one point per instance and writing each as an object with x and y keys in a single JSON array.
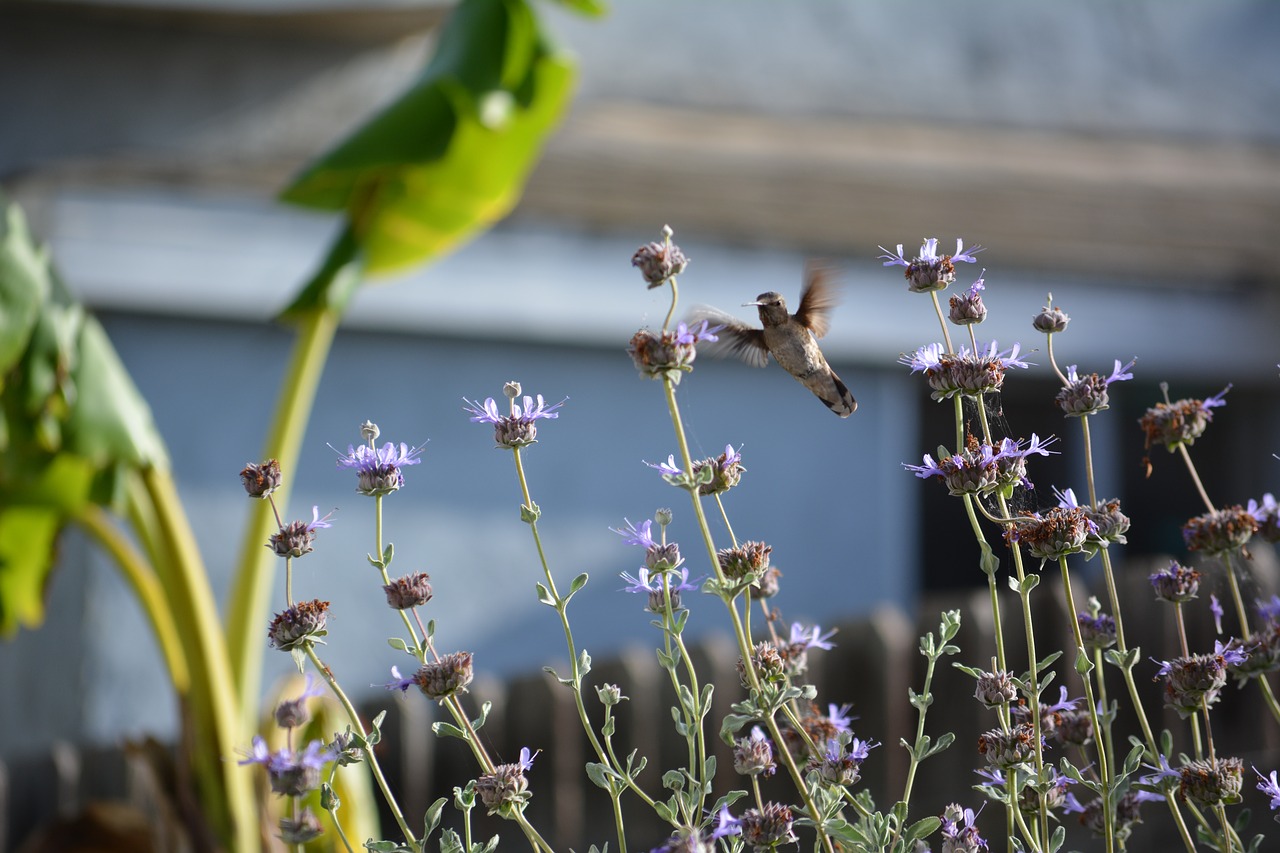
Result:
[{"x": 1125, "y": 157}]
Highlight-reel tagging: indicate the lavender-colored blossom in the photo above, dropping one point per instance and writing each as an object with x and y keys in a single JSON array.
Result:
[
  {"x": 726, "y": 824},
  {"x": 690, "y": 335},
  {"x": 929, "y": 271},
  {"x": 633, "y": 535},
  {"x": 1180, "y": 422},
  {"x": 397, "y": 682},
  {"x": 967, "y": 372},
  {"x": 811, "y": 638},
  {"x": 1087, "y": 394},
  {"x": 1269, "y": 786},
  {"x": 519, "y": 428},
  {"x": 668, "y": 468},
  {"x": 1215, "y": 607},
  {"x": 648, "y": 582},
  {"x": 378, "y": 470},
  {"x": 1267, "y": 514}
]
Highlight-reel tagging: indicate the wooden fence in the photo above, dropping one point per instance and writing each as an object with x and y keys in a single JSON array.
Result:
[{"x": 875, "y": 660}]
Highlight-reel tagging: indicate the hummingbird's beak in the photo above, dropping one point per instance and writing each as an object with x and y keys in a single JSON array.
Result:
[{"x": 756, "y": 304}]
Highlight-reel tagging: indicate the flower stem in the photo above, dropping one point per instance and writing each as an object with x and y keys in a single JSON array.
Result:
[
  {"x": 251, "y": 590},
  {"x": 354, "y": 716}
]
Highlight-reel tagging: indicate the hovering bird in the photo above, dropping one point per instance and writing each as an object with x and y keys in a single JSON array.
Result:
[{"x": 789, "y": 338}]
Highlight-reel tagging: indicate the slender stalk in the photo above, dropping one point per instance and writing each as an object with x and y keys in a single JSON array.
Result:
[
  {"x": 251, "y": 589},
  {"x": 354, "y": 717},
  {"x": 937, "y": 309},
  {"x": 1104, "y": 766},
  {"x": 146, "y": 587},
  {"x": 213, "y": 691},
  {"x": 744, "y": 642}
]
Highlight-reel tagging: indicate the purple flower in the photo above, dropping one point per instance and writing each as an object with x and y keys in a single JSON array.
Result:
[
  {"x": 727, "y": 824},
  {"x": 1180, "y": 422},
  {"x": 1215, "y": 607},
  {"x": 397, "y": 682},
  {"x": 378, "y": 470},
  {"x": 648, "y": 582},
  {"x": 929, "y": 271},
  {"x": 291, "y": 773},
  {"x": 1270, "y": 787},
  {"x": 968, "y": 372},
  {"x": 1087, "y": 395},
  {"x": 668, "y": 468},
  {"x": 633, "y": 535},
  {"x": 518, "y": 428},
  {"x": 701, "y": 332},
  {"x": 296, "y": 538},
  {"x": 811, "y": 638}
]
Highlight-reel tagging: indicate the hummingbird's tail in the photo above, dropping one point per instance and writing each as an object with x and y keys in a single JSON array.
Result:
[{"x": 835, "y": 394}]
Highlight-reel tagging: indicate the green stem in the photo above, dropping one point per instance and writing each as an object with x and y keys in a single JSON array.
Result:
[
  {"x": 354, "y": 717},
  {"x": 1104, "y": 766},
  {"x": 251, "y": 589},
  {"x": 744, "y": 642},
  {"x": 146, "y": 587},
  {"x": 213, "y": 693}
]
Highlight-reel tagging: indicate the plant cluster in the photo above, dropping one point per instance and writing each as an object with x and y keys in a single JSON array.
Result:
[{"x": 1042, "y": 761}]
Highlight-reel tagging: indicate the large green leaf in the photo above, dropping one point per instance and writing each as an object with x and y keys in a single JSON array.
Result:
[
  {"x": 24, "y": 284},
  {"x": 450, "y": 156},
  {"x": 73, "y": 421}
]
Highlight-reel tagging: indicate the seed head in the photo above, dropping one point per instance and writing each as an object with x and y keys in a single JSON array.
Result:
[
  {"x": 995, "y": 688},
  {"x": 1051, "y": 318},
  {"x": 767, "y": 585},
  {"x": 659, "y": 262},
  {"x": 766, "y": 662},
  {"x": 1177, "y": 583},
  {"x": 408, "y": 592},
  {"x": 768, "y": 828},
  {"x": 967, "y": 308},
  {"x": 440, "y": 679},
  {"x": 668, "y": 354},
  {"x": 753, "y": 755},
  {"x": 299, "y": 625},
  {"x": 505, "y": 789},
  {"x": 1212, "y": 782},
  {"x": 261, "y": 480},
  {"x": 1054, "y": 533},
  {"x": 296, "y": 538},
  {"x": 302, "y": 829},
  {"x": 1007, "y": 749},
  {"x": 1220, "y": 532},
  {"x": 1179, "y": 422},
  {"x": 749, "y": 558}
]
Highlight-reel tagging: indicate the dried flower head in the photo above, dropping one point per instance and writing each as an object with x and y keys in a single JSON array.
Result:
[
  {"x": 659, "y": 262},
  {"x": 750, "y": 558},
  {"x": 766, "y": 663},
  {"x": 301, "y": 829},
  {"x": 766, "y": 586},
  {"x": 967, "y": 308},
  {"x": 298, "y": 625},
  {"x": 753, "y": 755},
  {"x": 840, "y": 761},
  {"x": 1220, "y": 532},
  {"x": 505, "y": 790},
  {"x": 995, "y": 688},
  {"x": 1051, "y": 318},
  {"x": 1194, "y": 679},
  {"x": 670, "y": 353},
  {"x": 767, "y": 828},
  {"x": 1175, "y": 584},
  {"x": 959, "y": 835},
  {"x": 261, "y": 480},
  {"x": 290, "y": 773},
  {"x": 1179, "y": 422},
  {"x": 439, "y": 679},
  {"x": 409, "y": 591},
  {"x": 517, "y": 429},
  {"x": 1006, "y": 749},
  {"x": 726, "y": 471},
  {"x": 1055, "y": 533},
  {"x": 969, "y": 373},
  {"x": 291, "y": 713},
  {"x": 1087, "y": 395},
  {"x": 297, "y": 537},
  {"x": 929, "y": 271},
  {"x": 1212, "y": 781}
]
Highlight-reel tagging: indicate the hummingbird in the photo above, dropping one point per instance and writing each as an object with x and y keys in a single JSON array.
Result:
[{"x": 790, "y": 338}]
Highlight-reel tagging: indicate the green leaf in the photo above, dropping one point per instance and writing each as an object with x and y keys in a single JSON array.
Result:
[
  {"x": 431, "y": 819},
  {"x": 529, "y": 514},
  {"x": 593, "y": 8},
  {"x": 443, "y": 729},
  {"x": 922, "y": 828},
  {"x": 27, "y": 536},
  {"x": 24, "y": 285},
  {"x": 451, "y": 842},
  {"x": 544, "y": 595},
  {"x": 398, "y": 643},
  {"x": 450, "y": 155},
  {"x": 578, "y": 583},
  {"x": 1083, "y": 665}
]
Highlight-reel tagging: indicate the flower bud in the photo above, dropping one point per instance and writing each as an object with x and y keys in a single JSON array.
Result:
[
  {"x": 261, "y": 480},
  {"x": 1051, "y": 319}
]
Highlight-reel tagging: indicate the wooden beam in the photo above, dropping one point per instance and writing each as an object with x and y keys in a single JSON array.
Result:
[{"x": 1168, "y": 209}]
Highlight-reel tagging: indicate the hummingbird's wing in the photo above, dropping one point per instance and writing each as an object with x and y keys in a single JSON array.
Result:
[
  {"x": 816, "y": 300},
  {"x": 736, "y": 338}
]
